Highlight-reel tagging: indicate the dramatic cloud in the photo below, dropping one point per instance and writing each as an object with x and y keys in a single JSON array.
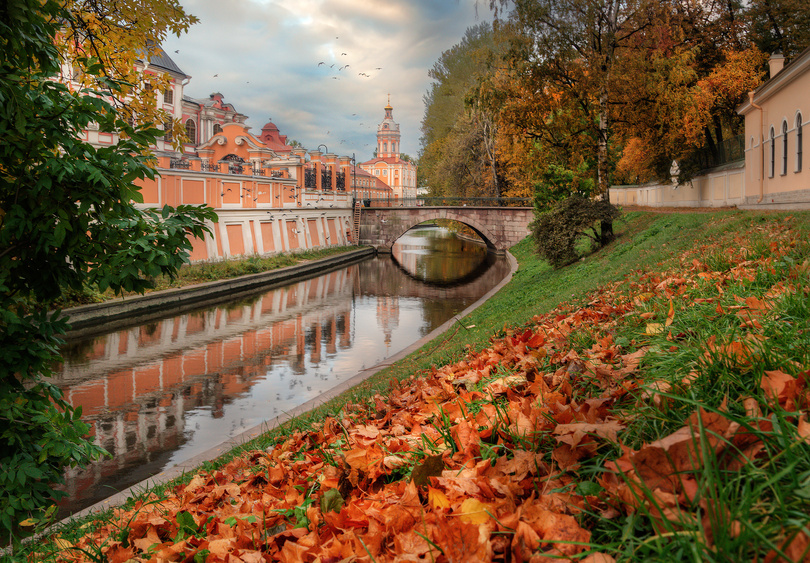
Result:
[{"x": 322, "y": 70}]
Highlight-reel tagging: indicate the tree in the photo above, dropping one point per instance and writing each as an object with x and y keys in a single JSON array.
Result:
[
  {"x": 779, "y": 26},
  {"x": 67, "y": 219},
  {"x": 121, "y": 37},
  {"x": 458, "y": 154}
]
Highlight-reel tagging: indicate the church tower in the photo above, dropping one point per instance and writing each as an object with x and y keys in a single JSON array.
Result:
[
  {"x": 389, "y": 166},
  {"x": 388, "y": 134}
]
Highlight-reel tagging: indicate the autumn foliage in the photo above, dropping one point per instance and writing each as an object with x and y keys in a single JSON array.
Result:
[{"x": 530, "y": 449}]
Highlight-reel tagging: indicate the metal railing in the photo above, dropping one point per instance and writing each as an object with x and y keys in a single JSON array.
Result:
[
  {"x": 179, "y": 163},
  {"x": 310, "y": 181},
  {"x": 326, "y": 179},
  {"x": 449, "y": 202},
  {"x": 730, "y": 150}
]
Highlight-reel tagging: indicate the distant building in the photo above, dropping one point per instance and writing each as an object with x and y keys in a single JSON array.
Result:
[
  {"x": 776, "y": 170},
  {"x": 388, "y": 167},
  {"x": 204, "y": 118}
]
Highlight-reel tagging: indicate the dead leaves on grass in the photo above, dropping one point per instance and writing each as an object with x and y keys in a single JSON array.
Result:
[{"x": 480, "y": 460}]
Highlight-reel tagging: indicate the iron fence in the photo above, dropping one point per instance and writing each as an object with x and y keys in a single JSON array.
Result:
[
  {"x": 179, "y": 163},
  {"x": 449, "y": 202},
  {"x": 730, "y": 150},
  {"x": 326, "y": 179},
  {"x": 310, "y": 182}
]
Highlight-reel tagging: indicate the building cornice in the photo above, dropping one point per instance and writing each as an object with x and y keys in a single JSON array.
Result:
[{"x": 773, "y": 85}]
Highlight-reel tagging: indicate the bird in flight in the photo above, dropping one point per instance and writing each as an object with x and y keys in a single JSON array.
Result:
[
  {"x": 343, "y": 54},
  {"x": 344, "y": 66},
  {"x": 177, "y": 50},
  {"x": 321, "y": 63},
  {"x": 216, "y": 75},
  {"x": 378, "y": 68}
]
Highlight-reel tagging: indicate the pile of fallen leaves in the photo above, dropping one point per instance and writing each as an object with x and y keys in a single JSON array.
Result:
[{"x": 482, "y": 460}]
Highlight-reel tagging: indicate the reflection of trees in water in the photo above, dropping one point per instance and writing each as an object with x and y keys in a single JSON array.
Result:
[{"x": 437, "y": 256}]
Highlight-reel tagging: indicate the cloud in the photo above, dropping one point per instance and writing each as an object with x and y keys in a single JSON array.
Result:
[{"x": 266, "y": 55}]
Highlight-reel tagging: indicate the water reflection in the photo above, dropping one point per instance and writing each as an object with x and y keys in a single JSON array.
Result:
[
  {"x": 162, "y": 392},
  {"x": 462, "y": 260}
]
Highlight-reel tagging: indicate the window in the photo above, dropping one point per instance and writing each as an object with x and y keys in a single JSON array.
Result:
[
  {"x": 799, "y": 143},
  {"x": 385, "y": 147},
  {"x": 772, "y": 168},
  {"x": 168, "y": 96},
  {"x": 217, "y": 128},
  {"x": 167, "y": 128},
  {"x": 191, "y": 131},
  {"x": 784, "y": 147}
]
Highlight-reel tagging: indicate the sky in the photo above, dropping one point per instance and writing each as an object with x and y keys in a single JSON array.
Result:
[{"x": 265, "y": 57}]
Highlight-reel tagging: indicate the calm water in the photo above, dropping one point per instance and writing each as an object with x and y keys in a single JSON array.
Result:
[{"x": 160, "y": 393}]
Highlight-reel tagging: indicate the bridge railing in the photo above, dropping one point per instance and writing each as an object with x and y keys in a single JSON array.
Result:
[{"x": 448, "y": 202}]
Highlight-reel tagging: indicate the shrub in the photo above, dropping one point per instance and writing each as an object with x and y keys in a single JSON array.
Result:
[{"x": 557, "y": 231}]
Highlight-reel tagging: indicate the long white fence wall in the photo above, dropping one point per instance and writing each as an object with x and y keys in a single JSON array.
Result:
[{"x": 720, "y": 187}]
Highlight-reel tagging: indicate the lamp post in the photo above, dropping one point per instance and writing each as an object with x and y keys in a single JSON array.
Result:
[
  {"x": 324, "y": 146},
  {"x": 354, "y": 181}
]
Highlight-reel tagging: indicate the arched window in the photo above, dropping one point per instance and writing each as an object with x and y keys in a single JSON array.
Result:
[
  {"x": 772, "y": 168},
  {"x": 217, "y": 128},
  {"x": 784, "y": 147},
  {"x": 191, "y": 131},
  {"x": 167, "y": 128},
  {"x": 799, "y": 143}
]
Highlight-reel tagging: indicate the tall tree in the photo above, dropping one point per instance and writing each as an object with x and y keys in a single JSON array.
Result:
[
  {"x": 67, "y": 219},
  {"x": 779, "y": 25},
  {"x": 458, "y": 155}
]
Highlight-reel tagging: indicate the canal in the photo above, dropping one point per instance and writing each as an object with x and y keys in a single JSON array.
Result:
[{"x": 159, "y": 393}]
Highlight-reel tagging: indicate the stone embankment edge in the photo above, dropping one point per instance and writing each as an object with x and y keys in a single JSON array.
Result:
[
  {"x": 191, "y": 464},
  {"x": 87, "y": 320}
]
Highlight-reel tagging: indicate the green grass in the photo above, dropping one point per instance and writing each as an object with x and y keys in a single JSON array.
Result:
[{"x": 750, "y": 510}]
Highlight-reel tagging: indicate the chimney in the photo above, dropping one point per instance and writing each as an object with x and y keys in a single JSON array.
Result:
[{"x": 776, "y": 63}]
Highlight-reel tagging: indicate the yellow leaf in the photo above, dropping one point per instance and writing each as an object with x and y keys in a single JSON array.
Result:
[
  {"x": 437, "y": 499},
  {"x": 473, "y": 511},
  {"x": 654, "y": 328}
]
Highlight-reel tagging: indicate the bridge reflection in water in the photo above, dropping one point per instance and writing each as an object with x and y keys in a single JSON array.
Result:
[{"x": 160, "y": 393}]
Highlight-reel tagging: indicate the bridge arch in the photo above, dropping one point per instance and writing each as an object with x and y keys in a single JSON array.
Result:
[
  {"x": 479, "y": 229},
  {"x": 498, "y": 227}
]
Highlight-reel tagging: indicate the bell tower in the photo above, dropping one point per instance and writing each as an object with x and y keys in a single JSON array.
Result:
[{"x": 388, "y": 134}]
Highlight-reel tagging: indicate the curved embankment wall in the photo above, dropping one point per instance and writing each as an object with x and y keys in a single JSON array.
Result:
[{"x": 94, "y": 318}]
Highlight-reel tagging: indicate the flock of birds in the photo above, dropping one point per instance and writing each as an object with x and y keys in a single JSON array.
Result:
[{"x": 342, "y": 67}]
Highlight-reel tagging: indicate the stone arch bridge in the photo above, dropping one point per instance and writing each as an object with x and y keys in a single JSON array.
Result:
[{"x": 499, "y": 227}]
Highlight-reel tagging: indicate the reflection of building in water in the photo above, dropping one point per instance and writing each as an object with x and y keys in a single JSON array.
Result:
[
  {"x": 388, "y": 317},
  {"x": 137, "y": 387}
]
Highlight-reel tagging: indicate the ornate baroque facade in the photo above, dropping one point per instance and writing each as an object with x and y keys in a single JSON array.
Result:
[
  {"x": 388, "y": 167},
  {"x": 270, "y": 197}
]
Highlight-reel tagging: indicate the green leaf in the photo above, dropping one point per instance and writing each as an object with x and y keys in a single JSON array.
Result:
[{"x": 331, "y": 501}]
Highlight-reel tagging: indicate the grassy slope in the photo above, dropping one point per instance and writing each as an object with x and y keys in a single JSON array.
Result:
[{"x": 646, "y": 242}]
